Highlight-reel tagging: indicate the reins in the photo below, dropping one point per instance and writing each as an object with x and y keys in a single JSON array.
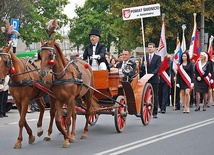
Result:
[{"x": 13, "y": 75}]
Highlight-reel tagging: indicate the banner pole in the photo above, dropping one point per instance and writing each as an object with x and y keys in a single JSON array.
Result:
[{"x": 144, "y": 49}]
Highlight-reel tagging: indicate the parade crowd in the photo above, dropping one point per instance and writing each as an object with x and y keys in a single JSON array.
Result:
[{"x": 191, "y": 83}]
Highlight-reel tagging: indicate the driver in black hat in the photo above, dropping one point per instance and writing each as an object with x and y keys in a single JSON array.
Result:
[{"x": 95, "y": 50}]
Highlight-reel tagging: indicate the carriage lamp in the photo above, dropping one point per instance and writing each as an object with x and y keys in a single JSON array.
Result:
[{"x": 12, "y": 70}]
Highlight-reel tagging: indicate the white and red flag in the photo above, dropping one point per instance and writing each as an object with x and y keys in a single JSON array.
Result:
[
  {"x": 194, "y": 49},
  {"x": 210, "y": 49},
  {"x": 177, "y": 55},
  {"x": 162, "y": 51}
]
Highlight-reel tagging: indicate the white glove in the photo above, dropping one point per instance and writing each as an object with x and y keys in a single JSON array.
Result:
[
  {"x": 177, "y": 85},
  {"x": 1, "y": 86},
  {"x": 192, "y": 85},
  {"x": 5, "y": 88},
  {"x": 211, "y": 81},
  {"x": 95, "y": 56}
]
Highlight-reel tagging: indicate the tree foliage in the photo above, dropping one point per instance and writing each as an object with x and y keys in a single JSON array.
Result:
[
  {"x": 32, "y": 16},
  {"x": 107, "y": 16}
]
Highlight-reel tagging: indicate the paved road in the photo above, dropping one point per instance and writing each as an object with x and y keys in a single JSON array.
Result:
[{"x": 172, "y": 133}]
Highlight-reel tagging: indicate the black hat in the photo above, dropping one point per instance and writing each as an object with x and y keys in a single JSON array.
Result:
[{"x": 95, "y": 31}]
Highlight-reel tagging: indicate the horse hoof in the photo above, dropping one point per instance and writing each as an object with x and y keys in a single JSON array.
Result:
[
  {"x": 66, "y": 144},
  {"x": 83, "y": 137},
  {"x": 39, "y": 133},
  {"x": 17, "y": 146},
  {"x": 47, "y": 139},
  {"x": 72, "y": 140},
  {"x": 31, "y": 140}
]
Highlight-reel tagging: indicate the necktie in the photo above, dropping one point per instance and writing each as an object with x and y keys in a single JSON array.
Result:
[{"x": 150, "y": 58}]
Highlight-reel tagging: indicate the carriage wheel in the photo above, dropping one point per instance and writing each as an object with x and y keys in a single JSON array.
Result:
[
  {"x": 147, "y": 104},
  {"x": 120, "y": 114},
  {"x": 93, "y": 119}
]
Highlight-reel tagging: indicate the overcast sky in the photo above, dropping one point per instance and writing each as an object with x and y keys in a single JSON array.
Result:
[{"x": 69, "y": 9}]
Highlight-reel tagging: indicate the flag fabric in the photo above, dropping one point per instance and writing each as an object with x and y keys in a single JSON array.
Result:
[
  {"x": 177, "y": 55},
  {"x": 183, "y": 44},
  {"x": 162, "y": 51},
  {"x": 210, "y": 49},
  {"x": 194, "y": 49}
]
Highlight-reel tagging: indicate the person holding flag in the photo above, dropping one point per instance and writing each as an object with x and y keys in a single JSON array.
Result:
[
  {"x": 184, "y": 79},
  {"x": 175, "y": 90},
  {"x": 202, "y": 79},
  {"x": 211, "y": 55},
  {"x": 165, "y": 82}
]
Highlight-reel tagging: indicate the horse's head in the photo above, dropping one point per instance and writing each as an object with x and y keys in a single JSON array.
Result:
[
  {"x": 47, "y": 56},
  {"x": 5, "y": 62}
]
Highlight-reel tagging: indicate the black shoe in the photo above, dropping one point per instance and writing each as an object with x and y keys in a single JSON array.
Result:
[
  {"x": 138, "y": 115},
  {"x": 155, "y": 116},
  {"x": 177, "y": 108},
  {"x": 5, "y": 115},
  {"x": 163, "y": 111},
  {"x": 197, "y": 109},
  {"x": 1, "y": 116}
]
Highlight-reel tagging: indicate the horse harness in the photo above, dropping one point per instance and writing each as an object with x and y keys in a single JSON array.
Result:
[{"x": 60, "y": 81}]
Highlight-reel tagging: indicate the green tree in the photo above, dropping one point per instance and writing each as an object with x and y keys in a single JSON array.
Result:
[
  {"x": 95, "y": 13},
  {"x": 33, "y": 16},
  {"x": 107, "y": 16}
]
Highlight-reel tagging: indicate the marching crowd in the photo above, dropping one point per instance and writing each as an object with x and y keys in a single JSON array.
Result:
[{"x": 191, "y": 82}]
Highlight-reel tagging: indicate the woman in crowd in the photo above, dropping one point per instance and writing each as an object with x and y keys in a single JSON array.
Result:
[
  {"x": 185, "y": 80},
  {"x": 113, "y": 61},
  {"x": 202, "y": 79},
  {"x": 138, "y": 64}
]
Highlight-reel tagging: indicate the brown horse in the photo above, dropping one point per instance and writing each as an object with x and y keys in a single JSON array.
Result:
[
  {"x": 22, "y": 75},
  {"x": 69, "y": 84}
]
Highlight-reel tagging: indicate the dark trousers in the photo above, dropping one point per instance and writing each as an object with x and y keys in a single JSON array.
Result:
[
  {"x": 3, "y": 102},
  {"x": 155, "y": 89},
  {"x": 163, "y": 95},
  {"x": 177, "y": 98}
]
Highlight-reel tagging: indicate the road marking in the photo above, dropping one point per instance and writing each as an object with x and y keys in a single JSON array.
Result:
[
  {"x": 28, "y": 120},
  {"x": 153, "y": 139}
]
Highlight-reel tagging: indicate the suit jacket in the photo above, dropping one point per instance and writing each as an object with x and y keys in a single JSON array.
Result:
[
  {"x": 100, "y": 50},
  {"x": 152, "y": 68}
]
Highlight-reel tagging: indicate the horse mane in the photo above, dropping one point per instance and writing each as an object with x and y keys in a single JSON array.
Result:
[{"x": 64, "y": 61}]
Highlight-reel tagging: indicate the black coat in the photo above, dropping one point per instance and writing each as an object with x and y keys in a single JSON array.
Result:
[
  {"x": 152, "y": 68},
  {"x": 100, "y": 50}
]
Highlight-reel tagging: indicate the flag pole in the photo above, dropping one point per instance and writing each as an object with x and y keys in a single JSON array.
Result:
[
  {"x": 175, "y": 88},
  {"x": 144, "y": 49},
  {"x": 183, "y": 44}
]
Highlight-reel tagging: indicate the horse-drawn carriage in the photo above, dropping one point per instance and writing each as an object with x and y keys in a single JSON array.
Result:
[
  {"x": 120, "y": 98},
  {"x": 73, "y": 83}
]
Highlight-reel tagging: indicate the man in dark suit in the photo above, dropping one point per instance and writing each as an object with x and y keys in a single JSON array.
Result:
[
  {"x": 95, "y": 50},
  {"x": 163, "y": 95},
  {"x": 123, "y": 65},
  {"x": 152, "y": 63}
]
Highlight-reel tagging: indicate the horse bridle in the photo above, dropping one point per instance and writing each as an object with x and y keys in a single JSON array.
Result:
[
  {"x": 51, "y": 49},
  {"x": 8, "y": 61}
]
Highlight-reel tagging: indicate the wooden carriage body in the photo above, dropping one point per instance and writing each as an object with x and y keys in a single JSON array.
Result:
[{"x": 112, "y": 85}]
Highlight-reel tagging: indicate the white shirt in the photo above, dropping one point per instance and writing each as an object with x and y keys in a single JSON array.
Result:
[{"x": 94, "y": 48}]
